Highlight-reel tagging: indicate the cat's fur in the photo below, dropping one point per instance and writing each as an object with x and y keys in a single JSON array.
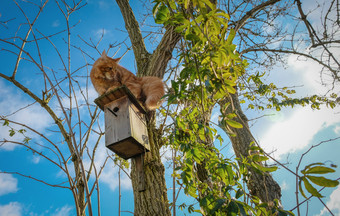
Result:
[{"x": 107, "y": 74}]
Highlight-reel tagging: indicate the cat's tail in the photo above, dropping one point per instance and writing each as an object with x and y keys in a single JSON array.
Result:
[{"x": 153, "y": 89}]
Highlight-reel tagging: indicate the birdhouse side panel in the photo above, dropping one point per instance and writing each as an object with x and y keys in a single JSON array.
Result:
[{"x": 138, "y": 127}]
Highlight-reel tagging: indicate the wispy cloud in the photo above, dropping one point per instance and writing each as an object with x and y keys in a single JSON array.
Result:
[
  {"x": 289, "y": 134},
  {"x": 284, "y": 186},
  {"x": 63, "y": 211},
  {"x": 8, "y": 184},
  {"x": 337, "y": 130},
  {"x": 298, "y": 130},
  {"x": 101, "y": 33},
  {"x": 11, "y": 209},
  {"x": 35, "y": 159},
  {"x": 33, "y": 116},
  {"x": 109, "y": 176},
  {"x": 56, "y": 23}
]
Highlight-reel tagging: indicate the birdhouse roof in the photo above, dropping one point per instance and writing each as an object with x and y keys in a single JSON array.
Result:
[{"x": 115, "y": 94}]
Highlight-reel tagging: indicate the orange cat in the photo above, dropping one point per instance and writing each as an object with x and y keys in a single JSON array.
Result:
[{"x": 107, "y": 74}]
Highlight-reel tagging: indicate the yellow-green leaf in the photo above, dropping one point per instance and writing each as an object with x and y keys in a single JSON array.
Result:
[
  {"x": 310, "y": 188},
  {"x": 233, "y": 123},
  {"x": 319, "y": 170},
  {"x": 301, "y": 190},
  {"x": 322, "y": 181}
]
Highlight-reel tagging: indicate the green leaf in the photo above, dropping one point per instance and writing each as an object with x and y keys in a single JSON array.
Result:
[
  {"x": 233, "y": 123},
  {"x": 219, "y": 204},
  {"x": 191, "y": 209},
  {"x": 196, "y": 154},
  {"x": 11, "y": 132},
  {"x": 264, "y": 168},
  {"x": 259, "y": 158},
  {"x": 239, "y": 193},
  {"x": 322, "y": 181},
  {"x": 155, "y": 8},
  {"x": 231, "y": 36},
  {"x": 6, "y": 123},
  {"x": 319, "y": 170},
  {"x": 310, "y": 165},
  {"x": 231, "y": 89},
  {"x": 241, "y": 208},
  {"x": 162, "y": 14},
  {"x": 312, "y": 190},
  {"x": 285, "y": 213},
  {"x": 26, "y": 140},
  {"x": 22, "y": 131},
  {"x": 232, "y": 208},
  {"x": 209, "y": 4},
  {"x": 301, "y": 190}
]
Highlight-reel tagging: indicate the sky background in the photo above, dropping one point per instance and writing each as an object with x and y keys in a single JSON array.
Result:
[{"x": 289, "y": 133}]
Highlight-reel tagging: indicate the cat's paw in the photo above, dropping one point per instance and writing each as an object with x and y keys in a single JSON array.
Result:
[{"x": 152, "y": 103}]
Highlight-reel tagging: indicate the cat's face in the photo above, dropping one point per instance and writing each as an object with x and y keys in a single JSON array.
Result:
[{"x": 107, "y": 67}]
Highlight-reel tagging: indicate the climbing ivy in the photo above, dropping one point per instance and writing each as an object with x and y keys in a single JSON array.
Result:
[{"x": 211, "y": 70}]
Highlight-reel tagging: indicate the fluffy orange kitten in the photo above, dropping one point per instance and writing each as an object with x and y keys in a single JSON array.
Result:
[{"x": 107, "y": 74}]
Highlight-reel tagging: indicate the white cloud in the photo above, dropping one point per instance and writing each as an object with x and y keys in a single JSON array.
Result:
[
  {"x": 102, "y": 32},
  {"x": 337, "y": 130},
  {"x": 109, "y": 175},
  {"x": 310, "y": 72},
  {"x": 56, "y": 23},
  {"x": 63, "y": 211},
  {"x": 8, "y": 184},
  {"x": 289, "y": 134},
  {"x": 298, "y": 130},
  {"x": 333, "y": 204},
  {"x": 284, "y": 186},
  {"x": 11, "y": 209},
  {"x": 33, "y": 116},
  {"x": 35, "y": 159}
]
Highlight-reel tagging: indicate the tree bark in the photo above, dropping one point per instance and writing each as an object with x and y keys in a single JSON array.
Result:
[
  {"x": 153, "y": 200},
  {"x": 261, "y": 185}
]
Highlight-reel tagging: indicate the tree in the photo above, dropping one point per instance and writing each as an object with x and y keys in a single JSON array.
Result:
[
  {"x": 211, "y": 71},
  {"x": 74, "y": 126}
]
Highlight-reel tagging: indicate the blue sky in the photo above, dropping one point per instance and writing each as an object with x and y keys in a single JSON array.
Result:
[{"x": 290, "y": 132}]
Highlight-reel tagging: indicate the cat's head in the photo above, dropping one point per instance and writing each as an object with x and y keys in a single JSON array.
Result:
[{"x": 107, "y": 67}]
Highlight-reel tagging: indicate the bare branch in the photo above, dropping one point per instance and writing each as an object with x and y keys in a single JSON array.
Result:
[
  {"x": 163, "y": 52},
  {"x": 132, "y": 26},
  {"x": 240, "y": 23},
  {"x": 38, "y": 180}
]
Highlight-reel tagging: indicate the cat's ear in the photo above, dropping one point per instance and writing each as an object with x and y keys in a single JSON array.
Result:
[
  {"x": 103, "y": 54},
  {"x": 117, "y": 59}
]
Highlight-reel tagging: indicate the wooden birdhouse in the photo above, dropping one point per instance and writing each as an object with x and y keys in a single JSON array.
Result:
[{"x": 125, "y": 126}]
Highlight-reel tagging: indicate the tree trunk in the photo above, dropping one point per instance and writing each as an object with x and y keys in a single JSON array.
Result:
[
  {"x": 261, "y": 185},
  {"x": 153, "y": 200}
]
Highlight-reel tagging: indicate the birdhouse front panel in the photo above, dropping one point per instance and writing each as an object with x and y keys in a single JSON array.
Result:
[{"x": 125, "y": 128}]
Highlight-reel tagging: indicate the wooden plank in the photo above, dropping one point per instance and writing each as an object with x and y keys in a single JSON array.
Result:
[
  {"x": 125, "y": 129},
  {"x": 116, "y": 93},
  {"x": 139, "y": 160}
]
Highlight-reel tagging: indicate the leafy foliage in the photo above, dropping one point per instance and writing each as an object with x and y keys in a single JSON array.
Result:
[
  {"x": 211, "y": 68},
  {"x": 309, "y": 179}
]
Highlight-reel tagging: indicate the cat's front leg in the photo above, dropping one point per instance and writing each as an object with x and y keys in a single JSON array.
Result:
[{"x": 135, "y": 89}]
